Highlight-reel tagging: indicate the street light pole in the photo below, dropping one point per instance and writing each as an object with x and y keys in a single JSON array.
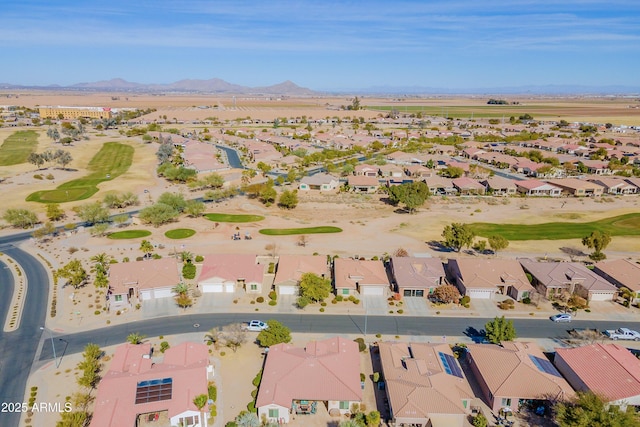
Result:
[{"x": 42, "y": 328}]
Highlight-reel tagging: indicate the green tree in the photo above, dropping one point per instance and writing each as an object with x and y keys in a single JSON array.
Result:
[
  {"x": 194, "y": 208},
  {"x": 589, "y": 409},
  {"x": 47, "y": 229},
  {"x": 158, "y": 214},
  {"x": 175, "y": 200},
  {"x": 452, "y": 172},
  {"x": 314, "y": 287},
  {"x": 412, "y": 195},
  {"x": 264, "y": 168},
  {"x": 54, "y": 212},
  {"x": 598, "y": 241},
  {"x": 500, "y": 329},
  {"x": 276, "y": 333},
  {"x": 373, "y": 419},
  {"x": 497, "y": 243},
  {"x": 135, "y": 338},
  {"x": 20, "y": 218},
  {"x": 75, "y": 274},
  {"x": 268, "y": 195},
  {"x": 480, "y": 421},
  {"x": 92, "y": 213},
  {"x": 457, "y": 235},
  {"x": 288, "y": 199}
]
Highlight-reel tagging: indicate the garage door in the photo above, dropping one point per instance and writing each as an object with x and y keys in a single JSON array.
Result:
[
  {"x": 287, "y": 290},
  {"x": 146, "y": 295},
  {"x": 372, "y": 290},
  {"x": 212, "y": 287},
  {"x": 601, "y": 296},
  {"x": 229, "y": 288},
  {"x": 162, "y": 293},
  {"x": 480, "y": 294}
]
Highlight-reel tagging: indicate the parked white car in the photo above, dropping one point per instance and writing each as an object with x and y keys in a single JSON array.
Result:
[{"x": 255, "y": 326}]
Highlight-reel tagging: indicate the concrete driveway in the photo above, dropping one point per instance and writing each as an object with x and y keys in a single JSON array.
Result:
[
  {"x": 416, "y": 306},
  {"x": 374, "y": 304},
  {"x": 287, "y": 304},
  {"x": 159, "y": 307}
]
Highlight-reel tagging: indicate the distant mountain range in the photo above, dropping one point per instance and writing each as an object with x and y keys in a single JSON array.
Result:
[
  {"x": 190, "y": 86},
  {"x": 288, "y": 88}
]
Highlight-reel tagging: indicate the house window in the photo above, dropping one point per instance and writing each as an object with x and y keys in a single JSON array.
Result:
[
  {"x": 118, "y": 298},
  {"x": 344, "y": 404},
  {"x": 274, "y": 413},
  {"x": 189, "y": 421},
  {"x": 464, "y": 404},
  {"x": 254, "y": 287},
  {"x": 506, "y": 401},
  {"x": 345, "y": 292}
]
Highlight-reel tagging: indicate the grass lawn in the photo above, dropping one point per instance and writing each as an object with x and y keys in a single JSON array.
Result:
[
  {"x": 291, "y": 231},
  {"x": 17, "y": 147},
  {"x": 220, "y": 217},
  {"x": 129, "y": 234},
  {"x": 180, "y": 233},
  {"x": 623, "y": 225},
  {"x": 111, "y": 161}
]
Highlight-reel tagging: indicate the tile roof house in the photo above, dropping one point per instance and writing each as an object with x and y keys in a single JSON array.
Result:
[
  {"x": 319, "y": 181},
  {"x": 515, "y": 372},
  {"x": 291, "y": 268},
  {"x": 424, "y": 384},
  {"x": 608, "y": 370},
  {"x": 578, "y": 187},
  {"x": 534, "y": 187},
  {"x": 554, "y": 278},
  {"x": 364, "y": 277},
  {"x": 366, "y": 170},
  {"x": 466, "y": 185},
  {"x": 440, "y": 186},
  {"x": 297, "y": 380},
  {"x": 416, "y": 277},
  {"x": 499, "y": 186},
  {"x": 482, "y": 278},
  {"x": 227, "y": 272},
  {"x": 363, "y": 184},
  {"x": 138, "y": 389},
  {"x": 621, "y": 273},
  {"x": 136, "y": 282},
  {"x": 615, "y": 185}
]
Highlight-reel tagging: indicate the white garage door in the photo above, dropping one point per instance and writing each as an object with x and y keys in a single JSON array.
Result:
[
  {"x": 601, "y": 296},
  {"x": 212, "y": 287},
  {"x": 372, "y": 290},
  {"x": 229, "y": 287},
  {"x": 162, "y": 293},
  {"x": 287, "y": 290},
  {"x": 146, "y": 295},
  {"x": 480, "y": 294}
]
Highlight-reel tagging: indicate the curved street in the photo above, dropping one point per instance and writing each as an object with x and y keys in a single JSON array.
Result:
[{"x": 18, "y": 348}]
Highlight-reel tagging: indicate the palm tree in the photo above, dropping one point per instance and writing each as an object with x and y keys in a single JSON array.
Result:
[
  {"x": 101, "y": 260},
  {"x": 181, "y": 289},
  {"x": 186, "y": 256},
  {"x": 135, "y": 338},
  {"x": 146, "y": 247},
  {"x": 628, "y": 295},
  {"x": 200, "y": 400}
]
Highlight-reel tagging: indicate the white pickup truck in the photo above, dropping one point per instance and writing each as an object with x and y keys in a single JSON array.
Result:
[
  {"x": 623, "y": 334},
  {"x": 255, "y": 326}
]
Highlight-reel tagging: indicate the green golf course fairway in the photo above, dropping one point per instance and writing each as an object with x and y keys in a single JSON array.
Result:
[
  {"x": 111, "y": 161},
  {"x": 220, "y": 217},
  {"x": 292, "y": 231},
  {"x": 129, "y": 234},
  {"x": 622, "y": 225},
  {"x": 180, "y": 233}
]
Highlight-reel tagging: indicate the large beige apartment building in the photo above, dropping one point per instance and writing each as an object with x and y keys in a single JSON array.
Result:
[{"x": 75, "y": 112}]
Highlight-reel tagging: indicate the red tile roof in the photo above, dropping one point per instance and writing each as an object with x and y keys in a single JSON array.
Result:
[
  {"x": 606, "y": 369},
  {"x": 148, "y": 274},
  {"x": 186, "y": 364},
  {"x": 232, "y": 267},
  {"x": 323, "y": 370}
]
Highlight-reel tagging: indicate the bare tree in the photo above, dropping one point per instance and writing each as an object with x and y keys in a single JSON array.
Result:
[{"x": 234, "y": 336}]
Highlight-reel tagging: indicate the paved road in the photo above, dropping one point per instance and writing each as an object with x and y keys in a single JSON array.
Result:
[
  {"x": 310, "y": 323},
  {"x": 232, "y": 156},
  {"x": 18, "y": 348}
]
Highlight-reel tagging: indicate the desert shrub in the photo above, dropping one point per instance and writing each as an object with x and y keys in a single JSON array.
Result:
[
  {"x": 188, "y": 271},
  {"x": 164, "y": 346},
  {"x": 199, "y": 258},
  {"x": 339, "y": 298},
  {"x": 526, "y": 300},
  {"x": 273, "y": 302},
  {"x": 273, "y": 295},
  {"x": 465, "y": 300},
  {"x": 260, "y": 300},
  {"x": 361, "y": 345},
  {"x": 37, "y": 176}
]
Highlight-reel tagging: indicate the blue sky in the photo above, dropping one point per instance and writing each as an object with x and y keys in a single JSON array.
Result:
[{"x": 323, "y": 45}]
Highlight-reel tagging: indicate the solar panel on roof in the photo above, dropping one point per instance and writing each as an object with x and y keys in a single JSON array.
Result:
[
  {"x": 154, "y": 390},
  {"x": 450, "y": 364},
  {"x": 545, "y": 366}
]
